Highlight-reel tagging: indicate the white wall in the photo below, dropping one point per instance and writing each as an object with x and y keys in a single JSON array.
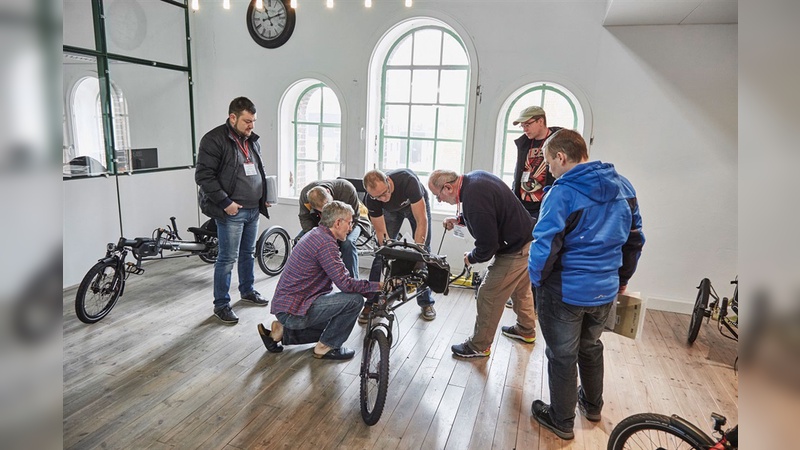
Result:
[{"x": 663, "y": 100}]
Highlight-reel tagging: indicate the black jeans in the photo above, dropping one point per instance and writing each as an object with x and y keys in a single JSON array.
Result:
[{"x": 572, "y": 334}]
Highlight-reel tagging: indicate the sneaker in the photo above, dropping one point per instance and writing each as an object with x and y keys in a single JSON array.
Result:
[
  {"x": 255, "y": 298},
  {"x": 541, "y": 412},
  {"x": 514, "y": 334},
  {"x": 509, "y": 303},
  {"x": 226, "y": 315},
  {"x": 364, "y": 316},
  {"x": 465, "y": 351},
  {"x": 428, "y": 313},
  {"x": 591, "y": 417}
]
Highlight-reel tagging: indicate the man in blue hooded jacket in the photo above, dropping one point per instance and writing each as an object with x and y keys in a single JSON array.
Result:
[{"x": 585, "y": 248}]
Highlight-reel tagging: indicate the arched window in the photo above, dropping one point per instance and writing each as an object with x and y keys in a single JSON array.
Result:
[
  {"x": 311, "y": 116},
  {"x": 561, "y": 106},
  {"x": 87, "y": 129},
  {"x": 421, "y": 74}
]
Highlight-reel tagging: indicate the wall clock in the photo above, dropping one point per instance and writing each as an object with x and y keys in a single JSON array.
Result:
[{"x": 273, "y": 25}]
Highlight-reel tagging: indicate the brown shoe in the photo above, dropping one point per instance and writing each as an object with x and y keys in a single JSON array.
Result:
[
  {"x": 363, "y": 318},
  {"x": 428, "y": 313}
]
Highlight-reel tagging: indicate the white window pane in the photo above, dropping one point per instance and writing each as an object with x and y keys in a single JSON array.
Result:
[
  {"x": 451, "y": 122},
  {"x": 87, "y": 122},
  {"x": 424, "y": 86},
  {"x": 331, "y": 144},
  {"x": 394, "y": 153},
  {"x": 306, "y": 173},
  {"x": 401, "y": 54},
  {"x": 421, "y": 156},
  {"x": 398, "y": 86},
  {"x": 559, "y": 113},
  {"x": 329, "y": 171},
  {"x": 453, "y": 87},
  {"x": 332, "y": 113},
  {"x": 423, "y": 121},
  {"x": 510, "y": 154},
  {"x": 78, "y": 23},
  {"x": 448, "y": 155},
  {"x": 396, "y": 123},
  {"x": 146, "y": 29},
  {"x": 453, "y": 53},
  {"x": 427, "y": 47},
  {"x": 309, "y": 107},
  {"x": 307, "y": 141}
]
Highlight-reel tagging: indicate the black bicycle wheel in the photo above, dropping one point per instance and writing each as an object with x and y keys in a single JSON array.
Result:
[
  {"x": 212, "y": 244},
  {"x": 272, "y": 250},
  {"x": 98, "y": 292},
  {"x": 374, "y": 376},
  {"x": 699, "y": 311},
  {"x": 655, "y": 431}
]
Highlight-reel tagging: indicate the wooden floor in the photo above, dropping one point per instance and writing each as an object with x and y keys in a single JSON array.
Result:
[{"x": 160, "y": 371}]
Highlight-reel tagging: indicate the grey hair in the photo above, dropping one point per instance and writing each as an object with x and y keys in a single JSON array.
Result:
[
  {"x": 440, "y": 177},
  {"x": 335, "y": 210}
]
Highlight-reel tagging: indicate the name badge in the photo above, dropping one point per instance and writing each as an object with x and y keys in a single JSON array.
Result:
[
  {"x": 458, "y": 231},
  {"x": 250, "y": 169},
  {"x": 525, "y": 177}
]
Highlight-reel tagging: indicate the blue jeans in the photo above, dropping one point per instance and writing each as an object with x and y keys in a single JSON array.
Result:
[
  {"x": 237, "y": 241},
  {"x": 393, "y": 221},
  {"x": 348, "y": 250},
  {"x": 572, "y": 334},
  {"x": 329, "y": 320}
]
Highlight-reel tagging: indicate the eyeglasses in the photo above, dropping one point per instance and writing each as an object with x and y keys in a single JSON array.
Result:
[
  {"x": 441, "y": 189},
  {"x": 384, "y": 194},
  {"x": 529, "y": 123},
  {"x": 349, "y": 222}
]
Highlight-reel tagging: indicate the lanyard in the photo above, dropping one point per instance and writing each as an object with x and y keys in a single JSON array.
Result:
[
  {"x": 244, "y": 148},
  {"x": 458, "y": 195}
]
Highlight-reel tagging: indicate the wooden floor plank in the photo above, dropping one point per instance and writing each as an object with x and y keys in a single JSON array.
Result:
[{"x": 161, "y": 372}]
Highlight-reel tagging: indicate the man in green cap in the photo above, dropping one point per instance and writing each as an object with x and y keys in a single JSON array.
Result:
[{"x": 530, "y": 173}]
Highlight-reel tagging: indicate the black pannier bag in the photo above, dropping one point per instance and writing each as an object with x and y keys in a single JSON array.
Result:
[{"x": 403, "y": 260}]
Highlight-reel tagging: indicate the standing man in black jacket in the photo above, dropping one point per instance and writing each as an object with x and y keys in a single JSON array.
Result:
[{"x": 233, "y": 190}]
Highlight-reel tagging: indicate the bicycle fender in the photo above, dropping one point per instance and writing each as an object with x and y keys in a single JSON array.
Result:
[{"x": 688, "y": 428}]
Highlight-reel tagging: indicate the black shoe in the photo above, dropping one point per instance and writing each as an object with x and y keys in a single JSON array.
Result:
[
  {"x": 541, "y": 412},
  {"x": 591, "y": 417},
  {"x": 271, "y": 344},
  {"x": 226, "y": 315},
  {"x": 255, "y": 298},
  {"x": 465, "y": 351},
  {"x": 340, "y": 353}
]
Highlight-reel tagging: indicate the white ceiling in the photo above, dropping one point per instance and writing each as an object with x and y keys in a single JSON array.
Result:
[{"x": 671, "y": 12}]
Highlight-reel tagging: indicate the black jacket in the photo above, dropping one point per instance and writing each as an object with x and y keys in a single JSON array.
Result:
[
  {"x": 523, "y": 146},
  {"x": 216, "y": 170}
]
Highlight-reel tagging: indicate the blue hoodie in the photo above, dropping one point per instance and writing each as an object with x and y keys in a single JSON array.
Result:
[{"x": 588, "y": 239}]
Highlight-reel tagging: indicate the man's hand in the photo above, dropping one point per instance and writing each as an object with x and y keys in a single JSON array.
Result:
[
  {"x": 450, "y": 223},
  {"x": 267, "y": 204},
  {"x": 622, "y": 289},
  {"x": 233, "y": 209},
  {"x": 467, "y": 264}
]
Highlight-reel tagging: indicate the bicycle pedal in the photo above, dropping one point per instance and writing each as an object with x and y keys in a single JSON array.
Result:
[{"x": 131, "y": 268}]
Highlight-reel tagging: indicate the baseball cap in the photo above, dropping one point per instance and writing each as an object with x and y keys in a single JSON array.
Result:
[{"x": 527, "y": 113}]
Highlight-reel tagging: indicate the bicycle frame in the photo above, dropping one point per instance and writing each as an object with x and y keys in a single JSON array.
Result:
[
  {"x": 718, "y": 310},
  {"x": 104, "y": 283}
]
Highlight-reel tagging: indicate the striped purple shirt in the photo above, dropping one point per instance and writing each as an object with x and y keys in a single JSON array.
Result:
[{"x": 314, "y": 265}]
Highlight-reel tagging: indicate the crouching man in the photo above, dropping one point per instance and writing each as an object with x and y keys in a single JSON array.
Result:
[{"x": 304, "y": 304}]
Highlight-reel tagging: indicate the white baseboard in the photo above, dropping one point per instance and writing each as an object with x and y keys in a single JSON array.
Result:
[{"x": 669, "y": 305}]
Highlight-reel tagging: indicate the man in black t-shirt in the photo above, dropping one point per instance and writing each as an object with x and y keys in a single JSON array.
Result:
[{"x": 391, "y": 198}]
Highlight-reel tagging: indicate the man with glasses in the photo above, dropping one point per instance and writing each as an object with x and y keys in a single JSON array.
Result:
[
  {"x": 314, "y": 197},
  {"x": 502, "y": 230},
  {"x": 393, "y": 197},
  {"x": 304, "y": 303},
  {"x": 530, "y": 173}
]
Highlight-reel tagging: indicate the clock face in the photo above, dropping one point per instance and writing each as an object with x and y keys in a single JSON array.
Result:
[{"x": 271, "y": 26}]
